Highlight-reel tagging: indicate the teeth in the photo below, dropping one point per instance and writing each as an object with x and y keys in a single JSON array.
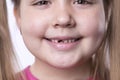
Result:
[
  {"x": 73, "y": 40},
  {"x": 63, "y": 41},
  {"x": 55, "y": 41}
]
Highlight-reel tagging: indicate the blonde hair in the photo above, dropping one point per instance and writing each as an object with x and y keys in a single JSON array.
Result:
[
  {"x": 7, "y": 67},
  {"x": 115, "y": 43}
]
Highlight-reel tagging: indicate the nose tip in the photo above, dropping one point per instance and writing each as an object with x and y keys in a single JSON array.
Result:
[{"x": 64, "y": 19}]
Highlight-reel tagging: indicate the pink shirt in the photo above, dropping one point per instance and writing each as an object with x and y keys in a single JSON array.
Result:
[{"x": 29, "y": 75}]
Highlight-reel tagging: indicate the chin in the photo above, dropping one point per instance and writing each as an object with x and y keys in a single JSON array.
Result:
[
  {"x": 65, "y": 64},
  {"x": 60, "y": 66}
]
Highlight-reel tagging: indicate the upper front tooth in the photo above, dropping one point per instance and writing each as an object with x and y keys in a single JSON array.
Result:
[
  {"x": 73, "y": 40},
  {"x": 54, "y": 40},
  {"x": 69, "y": 41}
]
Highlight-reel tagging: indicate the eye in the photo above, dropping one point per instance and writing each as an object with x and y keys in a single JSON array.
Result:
[
  {"x": 42, "y": 2},
  {"x": 82, "y": 2}
]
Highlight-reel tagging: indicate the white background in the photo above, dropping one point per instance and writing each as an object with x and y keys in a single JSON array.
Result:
[{"x": 24, "y": 56}]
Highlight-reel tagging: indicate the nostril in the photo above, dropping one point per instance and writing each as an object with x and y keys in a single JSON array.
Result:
[
  {"x": 63, "y": 25},
  {"x": 68, "y": 25}
]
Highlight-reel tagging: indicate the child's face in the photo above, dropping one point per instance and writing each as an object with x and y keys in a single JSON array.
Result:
[{"x": 62, "y": 33}]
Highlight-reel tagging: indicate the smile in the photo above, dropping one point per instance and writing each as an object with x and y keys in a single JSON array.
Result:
[{"x": 63, "y": 43}]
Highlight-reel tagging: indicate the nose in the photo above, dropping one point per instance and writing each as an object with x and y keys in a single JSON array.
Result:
[{"x": 64, "y": 19}]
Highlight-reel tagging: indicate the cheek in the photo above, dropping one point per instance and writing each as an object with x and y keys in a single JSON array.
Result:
[
  {"x": 92, "y": 24},
  {"x": 33, "y": 25}
]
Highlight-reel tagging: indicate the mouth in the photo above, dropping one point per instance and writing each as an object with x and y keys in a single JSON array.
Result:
[
  {"x": 63, "y": 40},
  {"x": 63, "y": 43}
]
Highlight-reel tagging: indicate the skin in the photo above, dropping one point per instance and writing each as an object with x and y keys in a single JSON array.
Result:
[{"x": 61, "y": 18}]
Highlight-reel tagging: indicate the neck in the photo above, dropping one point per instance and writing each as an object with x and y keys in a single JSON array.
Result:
[{"x": 44, "y": 71}]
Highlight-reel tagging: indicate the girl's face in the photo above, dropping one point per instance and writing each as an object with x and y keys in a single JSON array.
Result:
[{"x": 62, "y": 33}]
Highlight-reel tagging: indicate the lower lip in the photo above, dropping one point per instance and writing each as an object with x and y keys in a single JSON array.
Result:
[{"x": 63, "y": 46}]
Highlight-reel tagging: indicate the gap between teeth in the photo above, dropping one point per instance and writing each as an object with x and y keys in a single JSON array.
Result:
[{"x": 63, "y": 41}]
